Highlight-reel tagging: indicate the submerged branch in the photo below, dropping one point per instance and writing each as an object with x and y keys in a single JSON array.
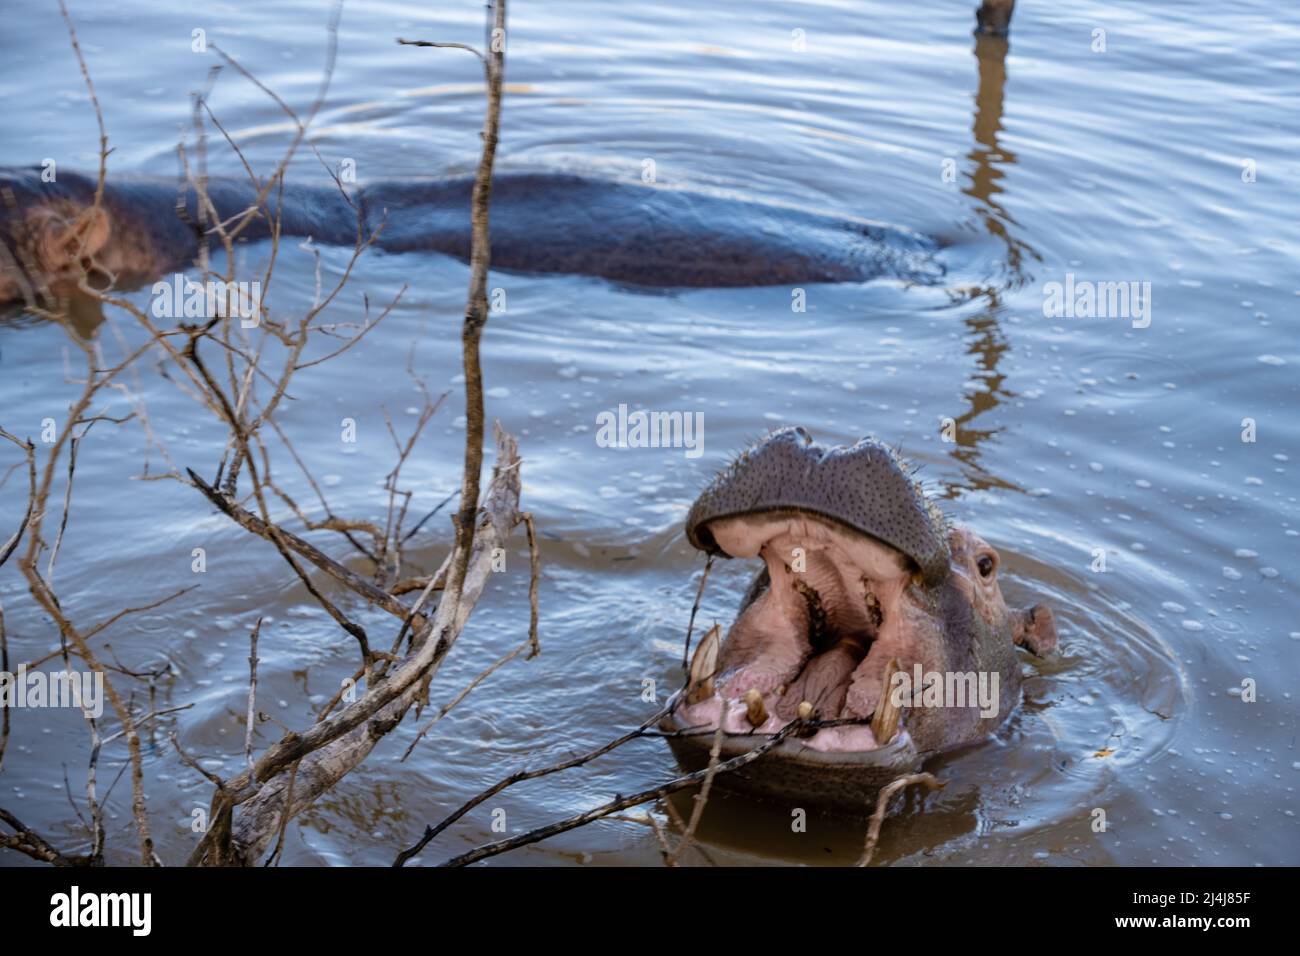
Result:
[{"x": 622, "y": 803}]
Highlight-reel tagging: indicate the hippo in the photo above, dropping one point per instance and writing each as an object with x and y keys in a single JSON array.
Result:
[
  {"x": 630, "y": 233},
  {"x": 872, "y": 606}
]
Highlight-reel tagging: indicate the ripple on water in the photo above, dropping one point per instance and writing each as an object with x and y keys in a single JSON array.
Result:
[{"x": 1135, "y": 375}]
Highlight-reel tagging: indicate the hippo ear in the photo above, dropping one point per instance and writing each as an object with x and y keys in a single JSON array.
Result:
[
  {"x": 1035, "y": 628},
  {"x": 63, "y": 243}
]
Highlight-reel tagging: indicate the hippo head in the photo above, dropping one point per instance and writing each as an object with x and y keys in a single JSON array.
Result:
[
  {"x": 865, "y": 579},
  {"x": 50, "y": 230},
  {"x": 54, "y": 233}
]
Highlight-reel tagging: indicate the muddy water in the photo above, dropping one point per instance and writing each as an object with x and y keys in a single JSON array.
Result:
[{"x": 1166, "y": 157}]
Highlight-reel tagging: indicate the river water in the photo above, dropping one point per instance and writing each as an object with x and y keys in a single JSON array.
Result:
[{"x": 1160, "y": 444}]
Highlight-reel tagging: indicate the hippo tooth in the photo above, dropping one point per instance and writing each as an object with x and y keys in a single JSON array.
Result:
[
  {"x": 805, "y": 710},
  {"x": 704, "y": 664},
  {"x": 754, "y": 709},
  {"x": 884, "y": 723}
]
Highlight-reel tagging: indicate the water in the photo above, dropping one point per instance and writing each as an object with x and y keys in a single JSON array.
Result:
[{"x": 1075, "y": 436}]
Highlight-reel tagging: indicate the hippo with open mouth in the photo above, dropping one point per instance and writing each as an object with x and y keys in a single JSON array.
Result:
[{"x": 870, "y": 599}]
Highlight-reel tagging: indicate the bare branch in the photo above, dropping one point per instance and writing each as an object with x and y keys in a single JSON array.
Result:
[
  {"x": 26, "y": 840},
  {"x": 622, "y": 803},
  {"x": 882, "y": 806}
]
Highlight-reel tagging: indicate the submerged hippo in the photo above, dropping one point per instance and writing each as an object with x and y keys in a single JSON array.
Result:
[
  {"x": 862, "y": 571},
  {"x": 627, "y": 232}
]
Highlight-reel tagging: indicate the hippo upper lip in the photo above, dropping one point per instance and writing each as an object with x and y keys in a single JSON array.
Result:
[{"x": 864, "y": 487}]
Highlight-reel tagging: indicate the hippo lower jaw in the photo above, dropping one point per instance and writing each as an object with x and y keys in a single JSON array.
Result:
[{"x": 792, "y": 772}]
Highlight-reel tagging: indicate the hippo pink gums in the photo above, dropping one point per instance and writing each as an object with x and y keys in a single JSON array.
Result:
[
  {"x": 627, "y": 232},
  {"x": 863, "y": 576}
]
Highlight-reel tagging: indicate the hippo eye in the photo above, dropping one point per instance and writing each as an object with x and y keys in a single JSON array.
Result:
[{"x": 985, "y": 564}]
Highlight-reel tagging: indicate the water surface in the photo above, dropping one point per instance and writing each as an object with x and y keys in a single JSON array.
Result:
[{"x": 1167, "y": 158}]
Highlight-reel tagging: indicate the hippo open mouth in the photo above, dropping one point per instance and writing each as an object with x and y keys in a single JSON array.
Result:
[
  {"x": 863, "y": 578},
  {"x": 829, "y": 610}
]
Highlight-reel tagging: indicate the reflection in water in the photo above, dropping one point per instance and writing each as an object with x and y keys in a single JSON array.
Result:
[
  {"x": 987, "y": 342},
  {"x": 988, "y": 156},
  {"x": 919, "y": 821},
  {"x": 79, "y": 314}
]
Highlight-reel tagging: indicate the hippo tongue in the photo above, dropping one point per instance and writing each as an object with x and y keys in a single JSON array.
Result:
[{"x": 865, "y": 488}]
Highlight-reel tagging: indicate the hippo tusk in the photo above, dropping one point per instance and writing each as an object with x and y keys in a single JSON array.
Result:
[
  {"x": 884, "y": 722},
  {"x": 755, "y": 712},
  {"x": 704, "y": 664}
]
